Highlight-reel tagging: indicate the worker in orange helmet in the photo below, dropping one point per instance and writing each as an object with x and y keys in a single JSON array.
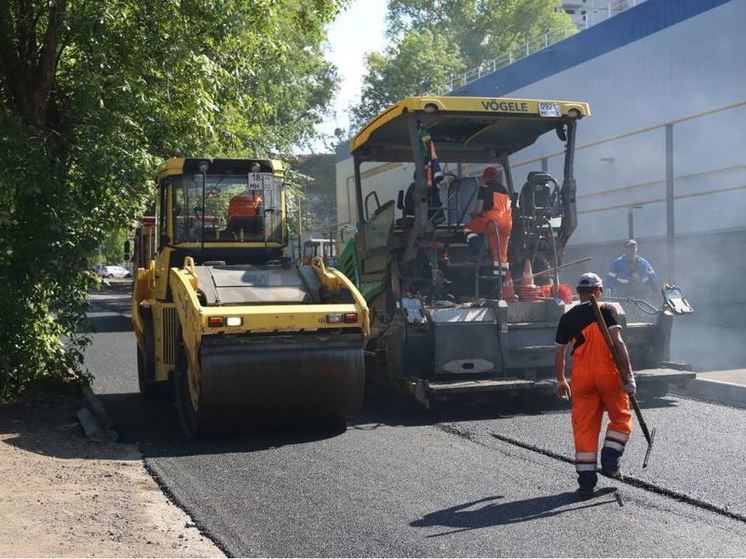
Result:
[
  {"x": 493, "y": 205},
  {"x": 245, "y": 204},
  {"x": 596, "y": 385}
]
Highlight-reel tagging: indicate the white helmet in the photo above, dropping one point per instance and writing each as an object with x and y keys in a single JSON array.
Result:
[{"x": 589, "y": 279}]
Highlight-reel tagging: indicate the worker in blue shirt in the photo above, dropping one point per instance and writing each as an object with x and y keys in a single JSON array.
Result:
[{"x": 631, "y": 275}]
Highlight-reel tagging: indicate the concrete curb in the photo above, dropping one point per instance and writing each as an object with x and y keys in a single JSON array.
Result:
[
  {"x": 97, "y": 407},
  {"x": 94, "y": 419},
  {"x": 91, "y": 427},
  {"x": 716, "y": 390}
]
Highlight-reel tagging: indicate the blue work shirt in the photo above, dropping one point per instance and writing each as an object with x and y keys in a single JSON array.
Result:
[{"x": 632, "y": 273}]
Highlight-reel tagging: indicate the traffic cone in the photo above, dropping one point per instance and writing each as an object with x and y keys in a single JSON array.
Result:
[
  {"x": 528, "y": 290},
  {"x": 528, "y": 275},
  {"x": 508, "y": 290}
]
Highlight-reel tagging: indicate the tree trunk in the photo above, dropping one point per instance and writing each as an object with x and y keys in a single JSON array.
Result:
[{"x": 29, "y": 68}]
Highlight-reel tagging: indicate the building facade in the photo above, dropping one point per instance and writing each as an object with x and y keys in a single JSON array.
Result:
[{"x": 585, "y": 13}]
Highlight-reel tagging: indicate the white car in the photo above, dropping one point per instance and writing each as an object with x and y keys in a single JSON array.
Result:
[{"x": 114, "y": 272}]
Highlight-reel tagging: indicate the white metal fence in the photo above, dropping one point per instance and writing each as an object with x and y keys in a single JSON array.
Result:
[{"x": 596, "y": 12}]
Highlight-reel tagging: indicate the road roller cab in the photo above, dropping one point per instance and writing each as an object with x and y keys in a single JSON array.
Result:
[{"x": 221, "y": 312}]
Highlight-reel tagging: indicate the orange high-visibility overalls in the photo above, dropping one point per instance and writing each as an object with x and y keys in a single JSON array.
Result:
[
  {"x": 595, "y": 386},
  {"x": 244, "y": 204},
  {"x": 495, "y": 208}
]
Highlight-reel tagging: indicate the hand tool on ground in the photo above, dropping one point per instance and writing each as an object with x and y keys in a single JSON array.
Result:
[{"x": 649, "y": 435}]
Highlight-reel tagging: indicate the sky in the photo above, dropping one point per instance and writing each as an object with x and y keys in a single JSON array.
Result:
[{"x": 357, "y": 30}]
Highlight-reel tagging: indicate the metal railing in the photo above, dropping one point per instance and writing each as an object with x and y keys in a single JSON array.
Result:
[
  {"x": 670, "y": 195},
  {"x": 598, "y": 11}
]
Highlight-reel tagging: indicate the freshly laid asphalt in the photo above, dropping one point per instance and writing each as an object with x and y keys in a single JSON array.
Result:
[{"x": 404, "y": 482}]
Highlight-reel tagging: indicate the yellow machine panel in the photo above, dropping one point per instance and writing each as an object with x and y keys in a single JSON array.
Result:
[{"x": 222, "y": 315}]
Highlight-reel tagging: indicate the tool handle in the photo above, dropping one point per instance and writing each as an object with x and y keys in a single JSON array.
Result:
[
  {"x": 638, "y": 413},
  {"x": 618, "y": 362},
  {"x": 553, "y": 269}
]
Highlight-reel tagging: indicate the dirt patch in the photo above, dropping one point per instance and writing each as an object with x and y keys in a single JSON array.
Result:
[{"x": 61, "y": 495}]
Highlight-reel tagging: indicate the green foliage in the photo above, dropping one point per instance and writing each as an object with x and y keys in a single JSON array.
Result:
[
  {"x": 320, "y": 202},
  {"x": 483, "y": 29},
  {"x": 93, "y": 94},
  {"x": 298, "y": 219},
  {"x": 434, "y": 40},
  {"x": 416, "y": 64},
  {"x": 44, "y": 295},
  {"x": 111, "y": 248}
]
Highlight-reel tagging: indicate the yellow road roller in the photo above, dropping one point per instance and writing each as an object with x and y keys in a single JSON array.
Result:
[{"x": 221, "y": 313}]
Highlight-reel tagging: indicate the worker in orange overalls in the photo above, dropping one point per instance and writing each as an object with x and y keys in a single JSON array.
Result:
[
  {"x": 493, "y": 205},
  {"x": 245, "y": 204},
  {"x": 596, "y": 385}
]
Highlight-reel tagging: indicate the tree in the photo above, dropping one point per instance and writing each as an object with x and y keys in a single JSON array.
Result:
[
  {"x": 483, "y": 29},
  {"x": 464, "y": 34},
  {"x": 111, "y": 248},
  {"x": 419, "y": 63},
  {"x": 93, "y": 93},
  {"x": 320, "y": 202}
]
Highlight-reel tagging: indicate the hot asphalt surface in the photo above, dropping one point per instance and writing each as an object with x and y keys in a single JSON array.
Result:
[{"x": 404, "y": 482}]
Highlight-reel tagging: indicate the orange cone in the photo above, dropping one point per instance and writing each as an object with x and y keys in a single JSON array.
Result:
[
  {"x": 508, "y": 291},
  {"x": 528, "y": 275},
  {"x": 528, "y": 290}
]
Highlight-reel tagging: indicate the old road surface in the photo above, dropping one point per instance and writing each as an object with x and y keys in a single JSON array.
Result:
[{"x": 461, "y": 482}]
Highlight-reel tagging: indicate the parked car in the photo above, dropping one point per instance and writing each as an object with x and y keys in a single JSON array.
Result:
[{"x": 113, "y": 272}]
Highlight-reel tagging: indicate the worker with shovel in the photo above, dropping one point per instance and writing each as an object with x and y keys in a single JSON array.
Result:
[{"x": 597, "y": 385}]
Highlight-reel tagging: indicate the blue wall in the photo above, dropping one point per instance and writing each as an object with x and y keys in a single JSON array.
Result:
[
  {"x": 677, "y": 59},
  {"x": 629, "y": 26}
]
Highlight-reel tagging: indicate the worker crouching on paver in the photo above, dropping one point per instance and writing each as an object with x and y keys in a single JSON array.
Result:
[{"x": 596, "y": 385}]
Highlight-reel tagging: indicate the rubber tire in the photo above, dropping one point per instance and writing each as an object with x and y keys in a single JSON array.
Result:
[
  {"x": 189, "y": 418},
  {"x": 394, "y": 352},
  {"x": 146, "y": 363},
  {"x": 146, "y": 388}
]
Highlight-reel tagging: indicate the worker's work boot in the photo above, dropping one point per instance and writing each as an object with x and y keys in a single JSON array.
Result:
[
  {"x": 610, "y": 463},
  {"x": 585, "y": 492},
  {"x": 586, "y": 483},
  {"x": 614, "y": 474},
  {"x": 475, "y": 243}
]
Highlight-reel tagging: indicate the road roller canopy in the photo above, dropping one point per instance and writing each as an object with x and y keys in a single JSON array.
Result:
[
  {"x": 465, "y": 129},
  {"x": 219, "y": 201}
]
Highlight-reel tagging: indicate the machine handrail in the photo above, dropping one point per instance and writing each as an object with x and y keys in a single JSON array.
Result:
[
  {"x": 374, "y": 194},
  {"x": 555, "y": 256}
]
